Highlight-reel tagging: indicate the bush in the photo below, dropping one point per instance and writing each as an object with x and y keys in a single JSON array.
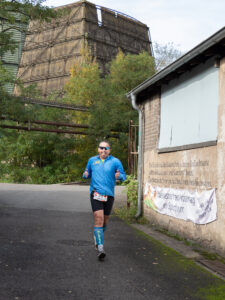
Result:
[{"x": 131, "y": 185}]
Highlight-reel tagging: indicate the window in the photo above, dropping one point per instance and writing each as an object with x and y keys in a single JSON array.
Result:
[{"x": 189, "y": 107}]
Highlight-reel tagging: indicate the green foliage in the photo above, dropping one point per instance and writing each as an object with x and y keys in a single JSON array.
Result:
[
  {"x": 131, "y": 185},
  {"x": 128, "y": 213},
  {"x": 216, "y": 292},
  {"x": 27, "y": 10},
  {"x": 128, "y": 71},
  {"x": 37, "y": 157},
  {"x": 110, "y": 110},
  {"x": 13, "y": 15},
  {"x": 85, "y": 84}
]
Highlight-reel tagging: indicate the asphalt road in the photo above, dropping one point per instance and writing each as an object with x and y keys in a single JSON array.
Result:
[{"x": 47, "y": 253}]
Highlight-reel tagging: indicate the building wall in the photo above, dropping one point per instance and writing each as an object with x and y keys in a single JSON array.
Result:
[
  {"x": 194, "y": 169},
  {"x": 220, "y": 237},
  {"x": 10, "y": 59}
]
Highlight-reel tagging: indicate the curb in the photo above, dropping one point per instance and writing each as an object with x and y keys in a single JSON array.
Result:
[{"x": 214, "y": 266}]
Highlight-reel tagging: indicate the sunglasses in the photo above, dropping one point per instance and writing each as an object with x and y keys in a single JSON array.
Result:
[{"x": 103, "y": 148}]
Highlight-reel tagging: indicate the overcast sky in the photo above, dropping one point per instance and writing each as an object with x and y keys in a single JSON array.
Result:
[{"x": 186, "y": 23}]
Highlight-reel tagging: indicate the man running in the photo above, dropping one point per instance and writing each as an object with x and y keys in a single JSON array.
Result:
[{"x": 104, "y": 170}]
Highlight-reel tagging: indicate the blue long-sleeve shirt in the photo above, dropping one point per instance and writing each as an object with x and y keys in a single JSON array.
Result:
[{"x": 102, "y": 174}]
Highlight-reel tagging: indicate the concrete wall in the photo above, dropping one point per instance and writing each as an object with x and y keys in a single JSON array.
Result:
[{"x": 194, "y": 169}]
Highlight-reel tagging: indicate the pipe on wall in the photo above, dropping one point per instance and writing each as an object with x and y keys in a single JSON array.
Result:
[{"x": 140, "y": 115}]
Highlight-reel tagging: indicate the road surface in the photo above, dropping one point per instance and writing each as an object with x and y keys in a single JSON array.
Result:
[{"x": 47, "y": 253}]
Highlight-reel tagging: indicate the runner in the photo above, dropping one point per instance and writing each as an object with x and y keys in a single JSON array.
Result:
[{"x": 104, "y": 170}]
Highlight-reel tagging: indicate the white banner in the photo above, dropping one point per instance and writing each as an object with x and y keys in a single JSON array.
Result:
[{"x": 198, "y": 207}]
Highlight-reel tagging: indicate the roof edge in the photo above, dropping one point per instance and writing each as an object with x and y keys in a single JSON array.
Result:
[{"x": 200, "y": 48}]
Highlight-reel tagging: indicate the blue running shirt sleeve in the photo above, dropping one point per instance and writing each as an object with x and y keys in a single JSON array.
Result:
[
  {"x": 102, "y": 174},
  {"x": 122, "y": 175},
  {"x": 88, "y": 167}
]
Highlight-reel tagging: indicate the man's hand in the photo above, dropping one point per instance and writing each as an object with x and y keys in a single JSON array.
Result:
[
  {"x": 117, "y": 174},
  {"x": 86, "y": 173}
]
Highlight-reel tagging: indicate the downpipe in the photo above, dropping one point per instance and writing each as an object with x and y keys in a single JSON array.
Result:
[{"x": 140, "y": 116}]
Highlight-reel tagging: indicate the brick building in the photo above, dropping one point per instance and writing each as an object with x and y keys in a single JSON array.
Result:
[{"x": 182, "y": 144}]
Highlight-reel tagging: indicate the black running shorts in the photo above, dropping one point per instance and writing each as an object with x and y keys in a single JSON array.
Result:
[{"x": 99, "y": 205}]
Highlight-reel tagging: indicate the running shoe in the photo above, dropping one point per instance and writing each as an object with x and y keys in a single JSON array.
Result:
[{"x": 101, "y": 252}]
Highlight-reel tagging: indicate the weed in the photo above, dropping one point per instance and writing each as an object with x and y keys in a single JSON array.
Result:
[{"x": 128, "y": 214}]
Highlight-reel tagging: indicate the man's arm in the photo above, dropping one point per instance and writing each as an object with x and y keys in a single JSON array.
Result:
[
  {"x": 87, "y": 171},
  {"x": 120, "y": 174}
]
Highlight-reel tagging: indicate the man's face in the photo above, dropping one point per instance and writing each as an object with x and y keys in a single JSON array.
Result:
[{"x": 103, "y": 150}]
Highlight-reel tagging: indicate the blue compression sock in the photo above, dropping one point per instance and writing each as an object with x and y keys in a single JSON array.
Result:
[{"x": 98, "y": 233}]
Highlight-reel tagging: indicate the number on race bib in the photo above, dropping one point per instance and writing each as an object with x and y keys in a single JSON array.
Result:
[{"x": 99, "y": 197}]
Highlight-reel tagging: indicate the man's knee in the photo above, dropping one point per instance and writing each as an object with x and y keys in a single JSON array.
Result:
[{"x": 99, "y": 218}]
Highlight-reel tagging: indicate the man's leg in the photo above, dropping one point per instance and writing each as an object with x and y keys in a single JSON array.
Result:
[
  {"x": 99, "y": 218},
  {"x": 106, "y": 220},
  {"x": 101, "y": 212},
  {"x": 98, "y": 213},
  {"x": 99, "y": 233},
  {"x": 107, "y": 211},
  {"x": 98, "y": 226}
]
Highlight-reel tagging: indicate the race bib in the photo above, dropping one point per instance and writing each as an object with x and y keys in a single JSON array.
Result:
[{"x": 99, "y": 197}]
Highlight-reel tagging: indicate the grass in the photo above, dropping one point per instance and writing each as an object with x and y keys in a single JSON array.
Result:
[
  {"x": 209, "y": 255},
  {"x": 206, "y": 286},
  {"x": 212, "y": 293},
  {"x": 128, "y": 215},
  {"x": 196, "y": 247},
  {"x": 212, "y": 288}
]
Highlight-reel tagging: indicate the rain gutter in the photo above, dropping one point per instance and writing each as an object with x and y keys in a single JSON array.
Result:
[{"x": 140, "y": 115}]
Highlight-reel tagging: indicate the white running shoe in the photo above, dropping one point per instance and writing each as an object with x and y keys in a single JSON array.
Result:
[{"x": 101, "y": 252}]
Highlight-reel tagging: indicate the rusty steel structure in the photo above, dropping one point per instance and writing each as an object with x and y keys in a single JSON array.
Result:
[
  {"x": 53, "y": 104},
  {"x": 132, "y": 149},
  {"x": 51, "y": 49}
]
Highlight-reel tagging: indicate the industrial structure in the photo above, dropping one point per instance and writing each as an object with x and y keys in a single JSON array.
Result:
[
  {"x": 11, "y": 60},
  {"x": 51, "y": 49}
]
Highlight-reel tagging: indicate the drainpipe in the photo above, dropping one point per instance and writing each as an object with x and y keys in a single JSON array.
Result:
[{"x": 135, "y": 106}]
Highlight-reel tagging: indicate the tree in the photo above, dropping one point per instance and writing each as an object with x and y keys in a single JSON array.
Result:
[
  {"x": 165, "y": 54},
  {"x": 50, "y": 158},
  {"x": 24, "y": 10},
  {"x": 39, "y": 157},
  {"x": 110, "y": 110},
  {"x": 25, "y": 156},
  {"x": 14, "y": 16}
]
